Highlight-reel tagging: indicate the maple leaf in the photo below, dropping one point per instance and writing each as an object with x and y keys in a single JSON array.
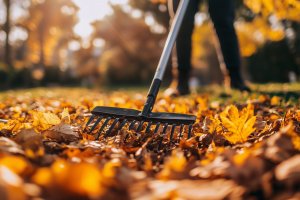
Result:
[
  {"x": 43, "y": 121},
  {"x": 239, "y": 124},
  {"x": 212, "y": 125}
]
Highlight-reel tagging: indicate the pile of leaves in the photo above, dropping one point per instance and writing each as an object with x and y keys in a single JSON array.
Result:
[{"x": 248, "y": 150}]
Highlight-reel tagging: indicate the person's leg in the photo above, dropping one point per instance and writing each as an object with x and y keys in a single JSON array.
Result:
[
  {"x": 184, "y": 44},
  {"x": 222, "y": 14}
]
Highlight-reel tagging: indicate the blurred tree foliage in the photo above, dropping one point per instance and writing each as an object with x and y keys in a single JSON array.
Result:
[
  {"x": 131, "y": 50},
  {"x": 125, "y": 47},
  {"x": 158, "y": 9},
  {"x": 49, "y": 25},
  {"x": 271, "y": 39}
]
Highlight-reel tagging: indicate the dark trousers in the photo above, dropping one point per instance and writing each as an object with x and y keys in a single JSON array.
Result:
[{"x": 222, "y": 14}]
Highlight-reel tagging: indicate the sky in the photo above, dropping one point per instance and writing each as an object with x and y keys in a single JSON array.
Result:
[{"x": 91, "y": 10}]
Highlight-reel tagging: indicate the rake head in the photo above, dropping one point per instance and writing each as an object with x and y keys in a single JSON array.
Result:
[{"x": 112, "y": 118}]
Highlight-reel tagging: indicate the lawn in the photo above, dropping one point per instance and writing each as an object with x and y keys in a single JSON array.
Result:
[{"x": 243, "y": 146}]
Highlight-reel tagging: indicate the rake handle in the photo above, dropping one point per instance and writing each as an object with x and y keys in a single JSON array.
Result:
[{"x": 162, "y": 65}]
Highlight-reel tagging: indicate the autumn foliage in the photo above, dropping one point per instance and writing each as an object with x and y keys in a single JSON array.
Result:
[{"x": 238, "y": 151}]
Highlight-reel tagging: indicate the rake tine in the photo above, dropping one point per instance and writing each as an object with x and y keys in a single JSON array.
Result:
[
  {"x": 157, "y": 127},
  {"x": 132, "y": 124},
  {"x": 96, "y": 124},
  {"x": 122, "y": 124},
  {"x": 102, "y": 127},
  {"x": 89, "y": 121},
  {"x": 162, "y": 135},
  {"x": 165, "y": 129},
  {"x": 172, "y": 131},
  {"x": 126, "y": 137},
  {"x": 148, "y": 127},
  {"x": 140, "y": 126},
  {"x": 190, "y": 131},
  {"x": 133, "y": 127},
  {"x": 181, "y": 131},
  {"x": 111, "y": 127}
]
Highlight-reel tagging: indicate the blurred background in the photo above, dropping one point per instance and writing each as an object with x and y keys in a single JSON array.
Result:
[{"x": 114, "y": 42}]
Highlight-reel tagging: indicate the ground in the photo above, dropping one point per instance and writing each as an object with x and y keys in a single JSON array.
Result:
[{"x": 243, "y": 146}]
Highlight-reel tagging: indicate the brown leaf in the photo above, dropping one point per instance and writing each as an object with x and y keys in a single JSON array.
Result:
[
  {"x": 62, "y": 133},
  {"x": 9, "y": 146},
  {"x": 11, "y": 185},
  {"x": 187, "y": 189},
  {"x": 278, "y": 147},
  {"x": 289, "y": 171},
  {"x": 29, "y": 139}
]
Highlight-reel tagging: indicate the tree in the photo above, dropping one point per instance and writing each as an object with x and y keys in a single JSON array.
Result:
[
  {"x": 7, "y": 28},
  {"x": 157, "y": 8},
  {"x": 131, "y": 50},
  {"x": 50, "y": 26},
  {"x": 276, "y": 25}
]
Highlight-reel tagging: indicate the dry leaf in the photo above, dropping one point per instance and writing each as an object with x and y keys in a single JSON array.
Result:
[
  {"x": 7, "y": 145},
  {"x": 289, "y": 170},
  {"x": 43, "y": 121},
  {"x": 239, "y": 124},
  {"x": 62, "y": 133},
  {"x": 11, "y": 185},
  {"x": 65, "y": 116}
]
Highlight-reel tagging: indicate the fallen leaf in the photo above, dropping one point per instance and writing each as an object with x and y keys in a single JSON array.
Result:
[
  {"x": 43, "y": 121},
  {"x": 62, "y": 133},
  {"x": 15, "y": 163},
  {"x": 11, "y": 185},
  {"x": 289, "y": 171},
  {"x": 239, "y": 124},
  {"x": 65, "y": 116},
  {"x": 7, "y": 145}
]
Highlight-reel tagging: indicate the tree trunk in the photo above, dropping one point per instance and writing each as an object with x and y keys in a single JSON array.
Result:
[
  {"x": 7, "y": 53},
  {"x": 42, "y": 51},
  {"x": 42, "y": 43},
  {"x": 7, "y": 27}
]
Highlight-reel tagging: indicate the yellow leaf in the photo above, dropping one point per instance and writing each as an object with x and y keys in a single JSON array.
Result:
[
  {"x": 43, "y": 121},
  {"x": 213, "y": 124},
  {"x": 33, "y": 154},
  {"x": 17, "y": 164},
  {"x": 84, "y": 179},
  {"x": 297, "y": 115},
  {"x": 239, "y": 124},
  {"x": 14, "y": 125},
  {"x": 240, "y": 158},
  {"x": 65, "y": 116},
  {"x": 233, "y": 113},
  {"x": 176, "y": 163},
  {"x": 109, "y": 170},
  {"x": 42, "y": 177},
  {"x": 2, "y": 125},
  {"x": 275, "y": 101},
  {"x": 294, "y": 136}
]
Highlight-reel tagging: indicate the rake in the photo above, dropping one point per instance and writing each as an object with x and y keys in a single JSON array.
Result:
[{"x": 114, "y": 119}]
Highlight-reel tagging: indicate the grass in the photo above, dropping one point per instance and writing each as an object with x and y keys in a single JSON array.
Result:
[{"x": 289, "y": 92}]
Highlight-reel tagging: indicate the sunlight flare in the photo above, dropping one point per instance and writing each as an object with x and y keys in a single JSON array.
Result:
[{"x": 90, "y": 11}]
